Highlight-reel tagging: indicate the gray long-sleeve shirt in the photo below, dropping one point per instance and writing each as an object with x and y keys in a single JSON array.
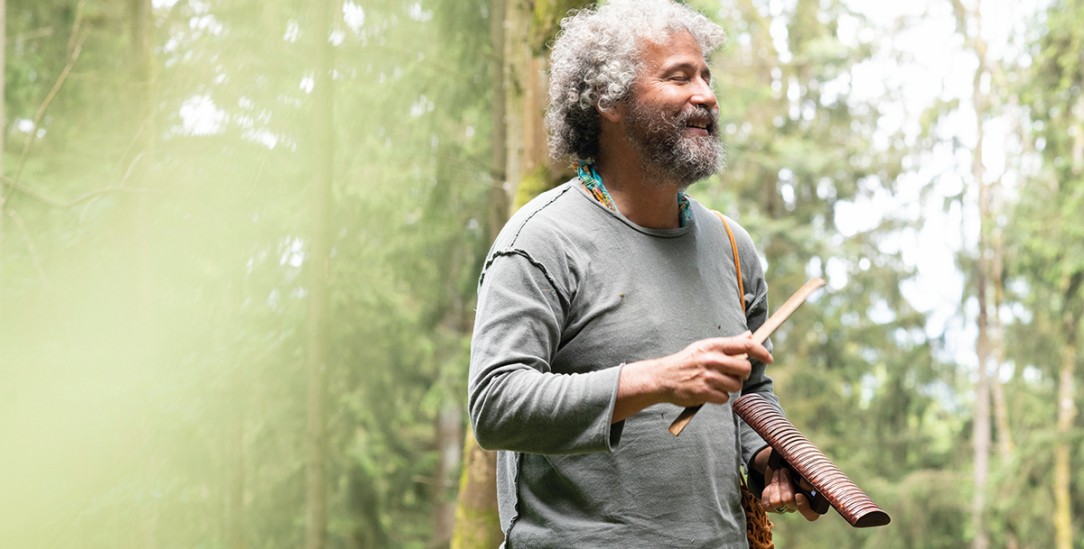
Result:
[{"x": 570, "y": 291}]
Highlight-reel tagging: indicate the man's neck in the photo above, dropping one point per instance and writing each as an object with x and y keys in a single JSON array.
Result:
[{"x": 642, "y": 197}]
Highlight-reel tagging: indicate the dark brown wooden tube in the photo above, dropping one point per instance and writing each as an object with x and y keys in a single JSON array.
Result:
[{"x": 808, "y": 461}]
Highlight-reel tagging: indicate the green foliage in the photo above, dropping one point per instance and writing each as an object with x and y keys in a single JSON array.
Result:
[
  {"x": 165, "y": 334},
  {"x": 1043, "y": 236},
  {"x": 546, "y": 16},
  {"x": 154, "y": 296},
  {"x": 854, "y": 367}
]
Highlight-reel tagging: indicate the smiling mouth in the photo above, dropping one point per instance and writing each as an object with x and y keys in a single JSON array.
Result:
[{"x": 700, "y": 126}]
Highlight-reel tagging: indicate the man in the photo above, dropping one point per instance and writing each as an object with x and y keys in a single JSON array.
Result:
[{"x": 611, "y": 302}]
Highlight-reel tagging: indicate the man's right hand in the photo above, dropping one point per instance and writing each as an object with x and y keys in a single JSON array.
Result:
[{"x": 708, "y": 370}]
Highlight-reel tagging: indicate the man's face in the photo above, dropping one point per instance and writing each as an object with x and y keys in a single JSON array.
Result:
[{"x": 672, "y": 116}]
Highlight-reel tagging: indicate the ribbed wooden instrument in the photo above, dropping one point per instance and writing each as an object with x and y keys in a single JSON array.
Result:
[{"x": 809, "y": 462}]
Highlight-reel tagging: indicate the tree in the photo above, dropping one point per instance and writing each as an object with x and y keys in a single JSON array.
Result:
[
  {"x": 1046, "y": 234},
  {"x": 3, "y": 124},
  {"x": 477, "y": 523},
  {"x": 519, "y": 163},
  {"x": 807, "y": 157},
  {"x": 166, "y": 296},
  {"x": 319, "y": 255},
  {"x": 966, "y": 22}
]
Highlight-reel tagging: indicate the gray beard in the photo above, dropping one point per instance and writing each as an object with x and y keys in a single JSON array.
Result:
[{"x": 666, "y": 153}]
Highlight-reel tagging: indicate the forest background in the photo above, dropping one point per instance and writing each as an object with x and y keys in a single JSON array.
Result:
[{"x": 239, "y": 242}]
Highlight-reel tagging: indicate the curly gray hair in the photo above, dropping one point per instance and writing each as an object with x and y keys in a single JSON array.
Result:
[{"x": 596, "y": 58}]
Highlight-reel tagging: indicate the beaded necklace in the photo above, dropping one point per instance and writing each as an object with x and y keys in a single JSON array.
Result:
[{"x": 592, "y": 181}]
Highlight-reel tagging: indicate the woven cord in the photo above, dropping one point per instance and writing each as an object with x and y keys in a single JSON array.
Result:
[{"x": 758, "y": 529}]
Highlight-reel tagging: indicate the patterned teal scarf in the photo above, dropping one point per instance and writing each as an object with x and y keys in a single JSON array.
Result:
[{"x": 593, "y": 182}]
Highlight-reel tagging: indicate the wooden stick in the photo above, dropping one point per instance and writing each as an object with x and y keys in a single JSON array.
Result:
[{"x": 759, "y": 336}]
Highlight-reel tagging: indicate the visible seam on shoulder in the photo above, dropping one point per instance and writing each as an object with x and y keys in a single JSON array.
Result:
[
  {"x": 534, "y": 213},
  {"x": 523, "y": 253}
]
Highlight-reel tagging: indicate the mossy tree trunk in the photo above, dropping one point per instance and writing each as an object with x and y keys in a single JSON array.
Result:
[
  {"x": 521, "y": 169},
  {"x": 322, "y": 159}
]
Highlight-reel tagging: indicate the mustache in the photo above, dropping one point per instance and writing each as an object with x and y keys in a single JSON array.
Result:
[{"x": 700, "y": 115}]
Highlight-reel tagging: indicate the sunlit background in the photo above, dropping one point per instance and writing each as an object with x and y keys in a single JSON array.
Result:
[{"x": 239, "y": 242}]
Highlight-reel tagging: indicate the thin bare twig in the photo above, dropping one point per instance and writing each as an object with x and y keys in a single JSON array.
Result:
[
  {"x": 35, "y": 258},
  {"x": 50, "y": 201},
  {"x": 75, "y": 46},
  {"x": 34, "y": 34},
  {"x": 40, "y": 114}
]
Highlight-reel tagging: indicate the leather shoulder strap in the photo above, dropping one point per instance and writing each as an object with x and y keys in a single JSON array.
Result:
[{"x": 737, "y": 261}]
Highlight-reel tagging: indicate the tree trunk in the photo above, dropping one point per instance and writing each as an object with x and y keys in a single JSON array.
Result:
[
  {"x": 1063, "y": 516},
  {"x": 1004, "y": 439},
  {"x": 449, "y": 437},
  {"x": 1063, "y": 513},
  {"x": 141, "y": 50},
  {"x": 318, "y": 266},
  {"x": 519, "y": 155},
  {"x": 234, "y": 464},
  {"x": 476, "y": 521},
  {"x": 515, "y": 53},
  {"x": 980, "y": 434},
  {"x": 498, "y": 192},
  {"x": 141, "y": 67},
  {"x": 477, "y": 524},
  {"x": 1005, "y": 445},
  {"x": 3, "y": 136},
  {"x": 981, "y": 426}
]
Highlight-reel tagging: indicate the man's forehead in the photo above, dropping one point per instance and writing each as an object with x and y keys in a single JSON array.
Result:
[{"x": 676, "y": 49}]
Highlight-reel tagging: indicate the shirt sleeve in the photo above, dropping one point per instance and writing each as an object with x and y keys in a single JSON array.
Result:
[{"x": 515, "y": 400}]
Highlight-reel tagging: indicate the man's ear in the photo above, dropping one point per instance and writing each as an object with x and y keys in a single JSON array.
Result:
[{"x": 613, "y": 114}]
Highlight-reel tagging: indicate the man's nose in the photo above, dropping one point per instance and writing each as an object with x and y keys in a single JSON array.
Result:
[{"x": 703, "y": 94}]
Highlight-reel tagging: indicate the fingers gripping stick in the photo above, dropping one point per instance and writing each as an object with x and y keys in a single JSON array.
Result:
[{"x": 759, "y": 337}]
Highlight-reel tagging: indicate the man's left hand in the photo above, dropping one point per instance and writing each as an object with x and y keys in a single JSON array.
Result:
[{"x": 783, "y": 490}]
